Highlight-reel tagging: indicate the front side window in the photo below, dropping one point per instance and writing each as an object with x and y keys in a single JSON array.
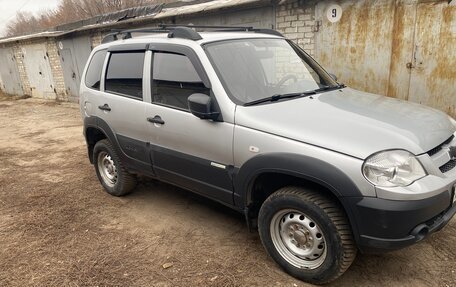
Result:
[
  {"x": 124, "y": 75},
  {"x": 93, "y": 75},
  {"x": 254, "y": 69},
  {"x": 174, "y": 80}
]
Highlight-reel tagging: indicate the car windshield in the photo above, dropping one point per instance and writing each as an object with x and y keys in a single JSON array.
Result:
[{"x": 255, "y": 69}]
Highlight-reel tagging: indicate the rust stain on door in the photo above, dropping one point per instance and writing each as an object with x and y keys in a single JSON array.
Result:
[
  {"x": 404, "y": 49},
  {"x": 401, "y": 52},
  {"x": 433, "y": 80},
  {"x": 355, "y": 48},
  {"x": 445, "y": 71}
]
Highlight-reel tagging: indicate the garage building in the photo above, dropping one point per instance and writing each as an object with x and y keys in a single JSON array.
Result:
[{"x": 399, "y": 48}]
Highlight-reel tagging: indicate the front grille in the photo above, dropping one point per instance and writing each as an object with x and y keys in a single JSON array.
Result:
[
  {"x": 448, "y": 166},
  {"x": 439, "y": 147}
]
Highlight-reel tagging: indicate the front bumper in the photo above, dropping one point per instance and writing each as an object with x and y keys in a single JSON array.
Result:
[{"x": 383, "y": 224}]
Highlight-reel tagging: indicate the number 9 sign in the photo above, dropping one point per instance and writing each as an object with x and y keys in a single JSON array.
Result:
[{"x": 334, "y": 13}]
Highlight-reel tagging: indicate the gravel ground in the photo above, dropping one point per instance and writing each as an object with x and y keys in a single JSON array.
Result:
[{"x": 59, "y": 228}]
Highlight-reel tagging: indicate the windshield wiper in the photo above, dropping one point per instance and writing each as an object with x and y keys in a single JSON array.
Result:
[
  {"x": 330, "y": 88},
  {"x": 278, "y": 97}
]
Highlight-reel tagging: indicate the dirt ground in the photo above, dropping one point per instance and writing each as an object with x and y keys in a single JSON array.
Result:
[{"x": 59, "y": 228}]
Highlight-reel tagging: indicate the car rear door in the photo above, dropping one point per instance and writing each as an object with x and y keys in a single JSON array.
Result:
[{"x": 121, "y": 108}]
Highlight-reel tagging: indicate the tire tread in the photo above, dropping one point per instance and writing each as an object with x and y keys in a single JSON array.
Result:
[
  {"x": 127, "y": 180},
  {"x": 335, "y": 214}
]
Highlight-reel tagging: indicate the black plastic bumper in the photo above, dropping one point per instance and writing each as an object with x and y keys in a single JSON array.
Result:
[{"x": 381, "y": 225}]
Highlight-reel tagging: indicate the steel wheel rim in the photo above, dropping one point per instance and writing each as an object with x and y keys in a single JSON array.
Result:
[
  {"x": 107, "y": 168},
  {"x": 298, "y": 239}
]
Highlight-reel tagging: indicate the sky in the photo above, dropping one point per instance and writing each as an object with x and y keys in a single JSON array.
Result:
[{"x": 9, "y": 8}]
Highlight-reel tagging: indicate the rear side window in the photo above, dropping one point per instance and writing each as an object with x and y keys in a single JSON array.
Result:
[
  {"x": 93, "y": 75},
  {"x": 174, "y": 80},
  {"x": 124, "y": 75}
]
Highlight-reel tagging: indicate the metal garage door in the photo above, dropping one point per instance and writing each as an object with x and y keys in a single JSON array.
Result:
[
  {"x": 70, "y": 72},
  {"x": 9, "y": 74},
  {"x": 429, "y": 60},
  {"x": 358, "y": 47},
  {"x": 74, "y": 53},
  {"x": 403, "y": 49},
  {"x": 36, "y": 62}
]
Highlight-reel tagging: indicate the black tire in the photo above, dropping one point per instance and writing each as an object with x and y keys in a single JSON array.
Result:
[
  {"x": 117, "y": 183},
  {"x": 281, "y": 213}
]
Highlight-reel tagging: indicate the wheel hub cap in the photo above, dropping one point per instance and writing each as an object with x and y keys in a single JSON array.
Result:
[
  {"x": 107, "y": 168},
  {"x": 298, "y": 239}
]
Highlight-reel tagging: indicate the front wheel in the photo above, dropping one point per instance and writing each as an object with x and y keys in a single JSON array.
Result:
[{"x": 307, "y": 234}]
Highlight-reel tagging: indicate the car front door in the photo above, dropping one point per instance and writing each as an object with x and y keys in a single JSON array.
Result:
[{"x": 187, "y": 151}]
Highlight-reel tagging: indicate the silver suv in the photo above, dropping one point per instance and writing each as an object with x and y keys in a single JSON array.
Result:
[{"x": 248, "y": 119}]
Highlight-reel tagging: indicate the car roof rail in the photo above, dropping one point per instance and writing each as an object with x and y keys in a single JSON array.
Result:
[
  {"x": 207, "y": 27},
  {"x": 126, "y": 34},
  {"x": 173, "y": 32},
  {"x": 269, "y": 32},
  {"x": 227, "y": 29},
  {"x": 183, "y": 31}
]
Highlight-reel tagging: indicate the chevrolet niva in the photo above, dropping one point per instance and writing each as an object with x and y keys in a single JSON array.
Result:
[{"x": 245, "y": 117}]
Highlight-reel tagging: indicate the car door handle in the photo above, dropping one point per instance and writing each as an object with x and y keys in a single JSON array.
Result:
[
  {"x": 156, "y": 120},
  {"x": 105, "y": 107}
]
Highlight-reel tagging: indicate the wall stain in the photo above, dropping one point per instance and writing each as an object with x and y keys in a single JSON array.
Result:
[{"x": 370, "y": 47}]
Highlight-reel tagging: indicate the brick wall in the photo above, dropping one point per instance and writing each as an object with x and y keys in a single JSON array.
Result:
[
  {"x": 19, "y": 56},
  {"x": 96, "y": 39},
  {"x": 295, "y": 19},
  {"x": 56, "y": 69}
]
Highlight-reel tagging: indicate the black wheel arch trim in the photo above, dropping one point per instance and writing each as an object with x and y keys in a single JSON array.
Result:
[
  {"x": 299, "y": 166},
  {"x": 102, "y": 126},
  {"x": 130, "y": 163}
]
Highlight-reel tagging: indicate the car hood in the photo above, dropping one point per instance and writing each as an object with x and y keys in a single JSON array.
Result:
[{"x": 351, "y": 122}]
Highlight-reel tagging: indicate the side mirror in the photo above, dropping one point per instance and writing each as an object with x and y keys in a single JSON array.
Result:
[
  {"x": 334, "y": 77},
  {"x": 200, "y": 106}
]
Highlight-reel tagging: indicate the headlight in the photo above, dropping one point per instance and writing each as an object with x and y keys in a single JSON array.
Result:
[{"x": 393, "y": 168}]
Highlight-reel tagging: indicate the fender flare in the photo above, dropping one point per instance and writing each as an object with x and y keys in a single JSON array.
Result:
[
  {"x": 300, "y": 166},
  {"x": 98, "y": 124},
  {"x": 129, "y": 162}
]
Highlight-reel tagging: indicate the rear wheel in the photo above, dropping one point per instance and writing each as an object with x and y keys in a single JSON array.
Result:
[
  {"x": 113, "y": 176},
  {"x": 307, "y": 234}
]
